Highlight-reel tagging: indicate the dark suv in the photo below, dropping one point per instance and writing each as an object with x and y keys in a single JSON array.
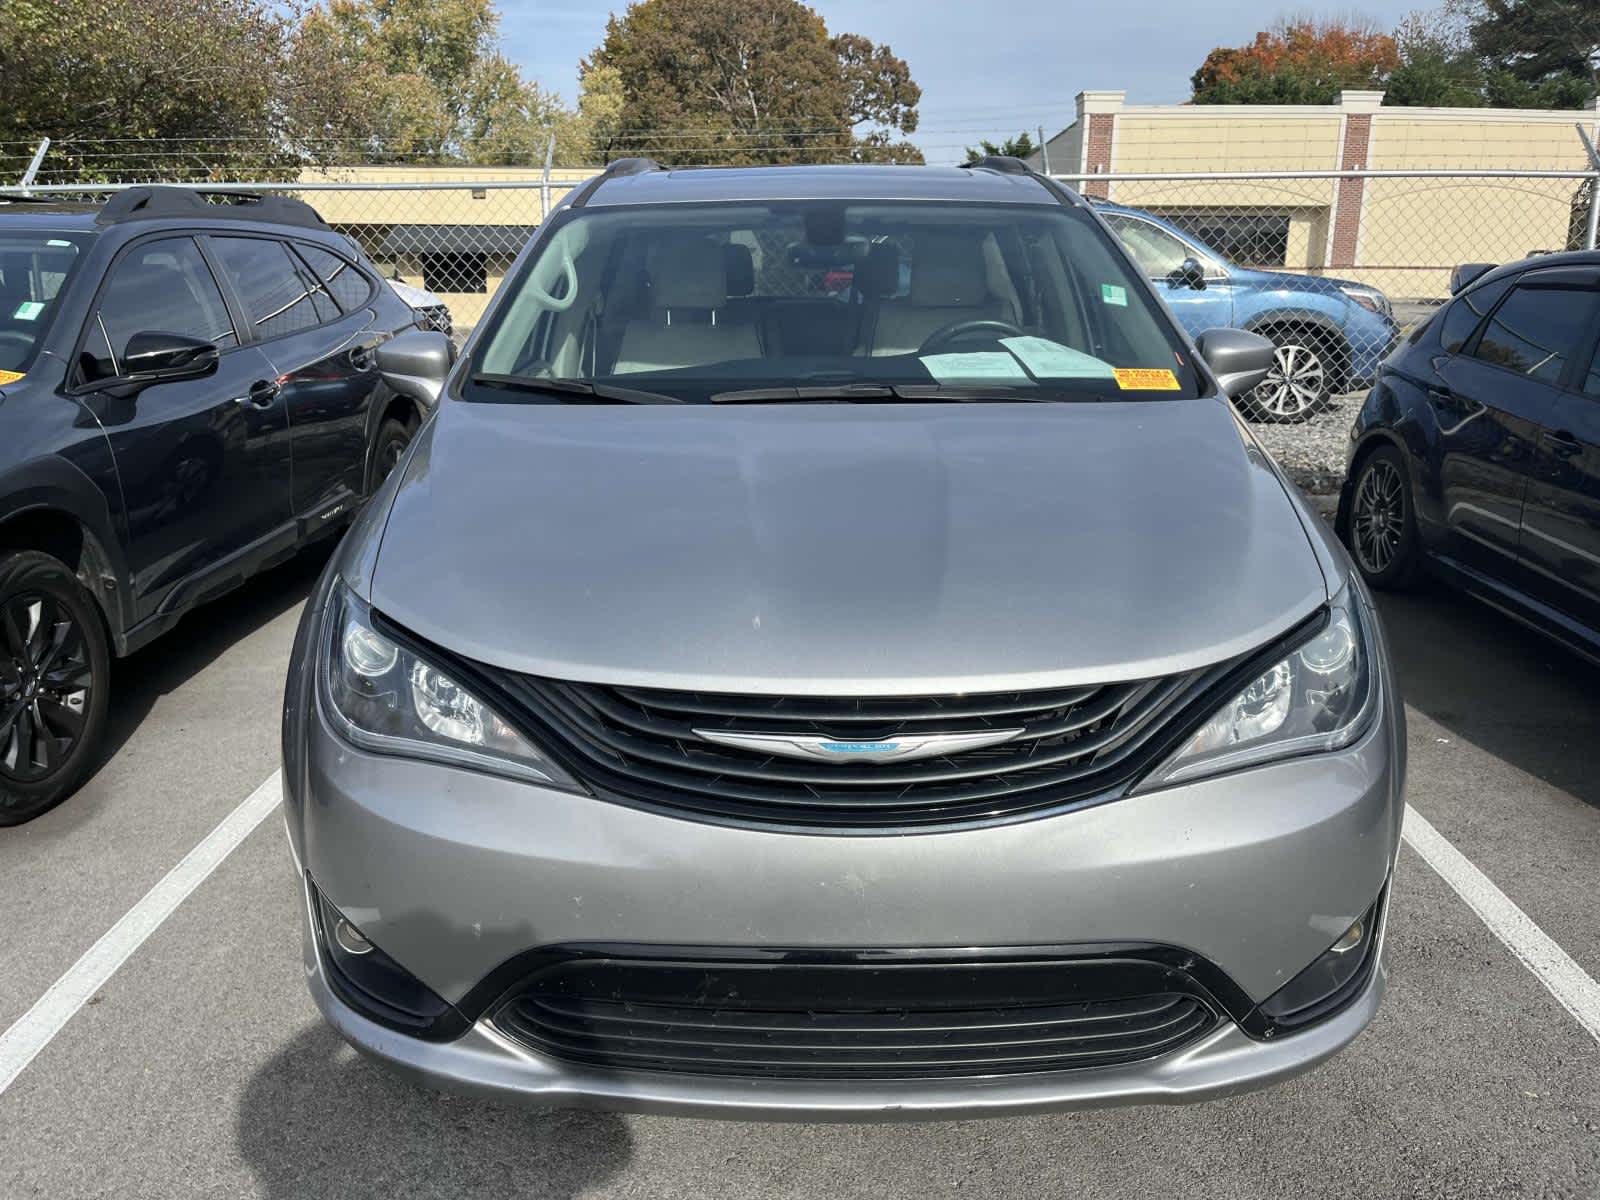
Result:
[{"x": 188, "y": 394}]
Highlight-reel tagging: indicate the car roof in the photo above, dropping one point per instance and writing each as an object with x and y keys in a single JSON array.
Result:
[
  {"x": 710, "y": 184},
  {"x": 41, "y": 214},
  {"x": 1538, "y": 262}
]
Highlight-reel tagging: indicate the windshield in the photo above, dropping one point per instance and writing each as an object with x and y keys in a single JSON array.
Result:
[
  {"x": 719, "y": 302},
  {"x": 34, "y": 266}
]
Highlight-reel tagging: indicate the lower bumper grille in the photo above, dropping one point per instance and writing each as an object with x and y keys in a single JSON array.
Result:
[{"x": 862, "y": 1019}]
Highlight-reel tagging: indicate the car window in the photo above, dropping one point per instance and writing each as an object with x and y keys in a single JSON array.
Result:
[
  {"x": 1157, "y": 252},
  {"x": 1590, "y": 383},
  {"x": 34, "y": 266},
  {"x": 349, "y": 286},
  {"x": 702, "y": 300},
  {"x": 157, "y": 287},
  {"x": 279, "y": 295},
  {"x": 1535, "y": 330},
  {"x": 1462, "y": 318}
]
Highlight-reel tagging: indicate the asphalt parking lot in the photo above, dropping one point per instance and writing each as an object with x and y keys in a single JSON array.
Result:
[{"x": 201, "y": 1068}]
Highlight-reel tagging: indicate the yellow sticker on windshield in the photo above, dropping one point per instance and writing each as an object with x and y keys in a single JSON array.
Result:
[
  {"x": 10, "y": 376},
  {"x": 1146, "y": 379}
]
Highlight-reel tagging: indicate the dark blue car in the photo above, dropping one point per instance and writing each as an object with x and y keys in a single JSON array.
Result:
[{"x": 1331, "y": 334}]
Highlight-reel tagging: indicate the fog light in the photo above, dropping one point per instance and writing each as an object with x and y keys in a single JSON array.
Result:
[
  {"x": 1329, "y": 983},
  {"x": 352, "y": 941},
  {"x": 1351, "y": 939},
  {"x": 374, "y": 984}
]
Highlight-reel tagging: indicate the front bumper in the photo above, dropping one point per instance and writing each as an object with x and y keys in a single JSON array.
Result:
[{"x": 454, "y": 873}]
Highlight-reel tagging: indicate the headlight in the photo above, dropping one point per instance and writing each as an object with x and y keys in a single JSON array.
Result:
[
  {"x": 1320, "y": 697},
  {"x": 385, "y": 698},
  {"x": 1369, "y": 298}
]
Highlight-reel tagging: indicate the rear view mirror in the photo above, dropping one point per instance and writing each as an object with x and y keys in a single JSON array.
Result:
[
  {"x": 157, "y": 357},
  {"x": 415, "y": 364},
  {"x": 1190, "y": 274},
  {"x": 1239, "y": 359},
  {"x": 1468, "y": 274}
]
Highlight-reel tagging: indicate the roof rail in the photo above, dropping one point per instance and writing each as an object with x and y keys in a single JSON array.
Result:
[
  {"x": 157, "y": 203},
  {"x": 615, "y": 169},
  {"x": 1006, "y": 164}
]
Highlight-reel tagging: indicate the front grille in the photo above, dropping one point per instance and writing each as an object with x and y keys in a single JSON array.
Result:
[
  {"x": 641, "y": 744},
  {"x": 859, "y": 1020}
]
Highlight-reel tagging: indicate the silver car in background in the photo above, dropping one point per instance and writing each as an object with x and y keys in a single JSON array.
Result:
[{"x": 834, "y": 652}]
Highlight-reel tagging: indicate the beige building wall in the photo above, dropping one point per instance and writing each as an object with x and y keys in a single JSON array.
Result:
[{"x": 1404, "y": 235}]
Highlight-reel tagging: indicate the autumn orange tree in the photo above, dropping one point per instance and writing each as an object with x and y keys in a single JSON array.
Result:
[{"x": 1298, "y": 61}]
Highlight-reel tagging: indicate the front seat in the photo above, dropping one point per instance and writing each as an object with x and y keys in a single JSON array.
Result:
[
  {"x": 687, "y": 325},
  {"x": 949, "y": 283}
]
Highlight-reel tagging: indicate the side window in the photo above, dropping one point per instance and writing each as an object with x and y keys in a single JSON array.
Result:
[
  {"x": 1464, "y": 316},
  {"x": 157, "y": 287},
  {"x": 1536, "y": 330},
  {"x": 278, "y": 294},
  {"x": 1590, "y": 383},
  {"x": 349, "y": 286},
  {"x": 1157, "y": 252}
]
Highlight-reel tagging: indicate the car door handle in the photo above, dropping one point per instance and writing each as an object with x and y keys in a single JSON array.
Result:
[
  {"x": 1562, "y": 443},
  {"x": 262, "y": 393}
]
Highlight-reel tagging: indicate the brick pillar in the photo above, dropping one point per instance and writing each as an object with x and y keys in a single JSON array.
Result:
[
  {"x": 1350, "y": 194},
  {"x": 1097, "y": 117}
]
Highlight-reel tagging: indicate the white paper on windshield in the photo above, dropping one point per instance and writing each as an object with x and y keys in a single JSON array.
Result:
[
  {"x": 1052, "y": 360},
  {"x": 987, "y": 366}
]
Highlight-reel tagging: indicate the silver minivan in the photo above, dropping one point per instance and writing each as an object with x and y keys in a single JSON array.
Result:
[{"x": 834, "y": 652}]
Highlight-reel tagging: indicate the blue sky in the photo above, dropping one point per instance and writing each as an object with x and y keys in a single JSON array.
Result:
[{"x": 987, "y": 67}]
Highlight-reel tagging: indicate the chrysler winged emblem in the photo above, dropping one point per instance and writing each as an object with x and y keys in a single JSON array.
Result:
[{"x": 900, "y": 748}]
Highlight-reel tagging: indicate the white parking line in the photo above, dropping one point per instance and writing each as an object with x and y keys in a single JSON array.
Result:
[
  {"x": 1569, "y": 983},
  {"x": 33, "y": 1030}
]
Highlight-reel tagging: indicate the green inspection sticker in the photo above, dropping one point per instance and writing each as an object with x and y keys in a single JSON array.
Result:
[
  {"x": 28, "y": 310},
  {"x": 1110, "y": 293}
]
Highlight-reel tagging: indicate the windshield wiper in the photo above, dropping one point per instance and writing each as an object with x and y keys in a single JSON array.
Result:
[
  {"x": 867, "y": 393},
  {"x": 596, "y": 392}
]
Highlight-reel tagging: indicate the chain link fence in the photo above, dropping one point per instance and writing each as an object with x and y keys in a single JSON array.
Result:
[{"x": 1334, "y": 264}]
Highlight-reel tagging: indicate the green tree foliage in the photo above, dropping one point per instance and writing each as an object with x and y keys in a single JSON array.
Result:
[
  {"x": 1020, "y": 146},
  {"x": 1438, "y": 67},
  {"x": 752, "y": 81},
  {"x": 1298, "y": 61},
  {"x": 1539, "y": 53},
  {"x": 85, "y": 72}
]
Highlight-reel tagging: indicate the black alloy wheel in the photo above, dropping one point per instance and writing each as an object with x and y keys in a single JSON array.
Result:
[
  {"x": 1382, "y": 529},
  {"x": 54, "y": 664}
]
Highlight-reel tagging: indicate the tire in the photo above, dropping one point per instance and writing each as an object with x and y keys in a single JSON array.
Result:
[
  {"x": 55, "y": 673},
  {"x": 393, "y": 437},
  {"x": 1301, "y": 381},
  {"x": 1381, "y": 529}
]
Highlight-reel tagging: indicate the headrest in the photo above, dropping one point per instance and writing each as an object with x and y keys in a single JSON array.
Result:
[
  {"x": 741, "y": 269},
  {"x": 878, "y": 274},
  {"x": 687, "y": 271},
  {"x": 948, "y": 272}
]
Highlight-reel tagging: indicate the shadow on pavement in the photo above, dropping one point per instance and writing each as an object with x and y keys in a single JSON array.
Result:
[
  {"x": 1500, "y": 686},
  {"x": 317, "y": 1120},
  {"x": 203, "y": 635}
]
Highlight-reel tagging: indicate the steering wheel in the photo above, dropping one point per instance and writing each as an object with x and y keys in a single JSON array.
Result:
[{"x": 956, "y": 330}]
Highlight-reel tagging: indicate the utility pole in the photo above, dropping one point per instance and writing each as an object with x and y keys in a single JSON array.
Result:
[{"x": 1044, "y": 151}]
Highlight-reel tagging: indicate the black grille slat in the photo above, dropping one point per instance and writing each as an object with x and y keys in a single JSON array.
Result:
[
  {"x": 640, "y": 744},
  {"x": 801, "y": 1022}
]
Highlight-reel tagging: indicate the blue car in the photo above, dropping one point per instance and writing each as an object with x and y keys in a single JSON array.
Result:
[{"x": 1331, "y": 334}]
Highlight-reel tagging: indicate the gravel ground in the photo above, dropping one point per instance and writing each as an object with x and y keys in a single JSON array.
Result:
[{"x": 1313, "y": 453}]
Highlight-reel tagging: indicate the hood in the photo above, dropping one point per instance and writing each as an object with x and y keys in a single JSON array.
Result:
[
  {"x": 414, "y": 296},
  {"x": 1283, "y": 281},
  {"x": 844, "y": 549}
]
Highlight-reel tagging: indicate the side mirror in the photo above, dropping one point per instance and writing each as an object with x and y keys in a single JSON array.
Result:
[
  {"x": 415, "y": 364},
  {"x": 1190, "y": 274},
  {"x": 156, "y": 357},
  {"x": 1239, "y": 359},
  {"x": 1468, "y": 274}
]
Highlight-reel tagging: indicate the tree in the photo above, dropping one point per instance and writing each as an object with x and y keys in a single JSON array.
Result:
[
  {"x": 745, "y": 81},
  {"x": 1298, "y": 61},
  {"x": 87, "y": 71},
  {"x": 1020, "y": 146},
  {"x": 1539, "y": 53},
  {"x": 1438, "y": 67}
]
